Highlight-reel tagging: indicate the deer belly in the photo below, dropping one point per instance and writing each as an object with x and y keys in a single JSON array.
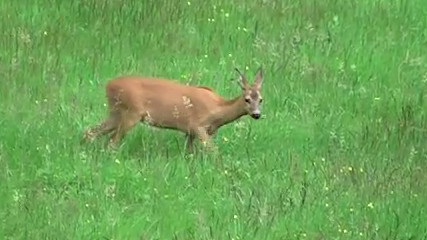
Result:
[{"x": 168, "y": 117}]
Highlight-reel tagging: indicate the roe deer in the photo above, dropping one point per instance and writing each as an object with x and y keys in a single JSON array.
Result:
[{"x": 195, "y": 110}]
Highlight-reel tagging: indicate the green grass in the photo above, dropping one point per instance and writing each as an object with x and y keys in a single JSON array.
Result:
[{"x": 340, "y": 154}]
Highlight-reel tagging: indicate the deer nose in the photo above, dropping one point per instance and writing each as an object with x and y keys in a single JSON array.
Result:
[{"x": 256, "y": 115}]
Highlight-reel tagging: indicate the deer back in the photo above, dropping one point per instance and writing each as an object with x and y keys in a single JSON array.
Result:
[{"x": 162, "y": 102}]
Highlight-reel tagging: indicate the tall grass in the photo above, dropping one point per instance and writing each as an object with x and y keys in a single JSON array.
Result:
[{"x": 340, "y": 154}]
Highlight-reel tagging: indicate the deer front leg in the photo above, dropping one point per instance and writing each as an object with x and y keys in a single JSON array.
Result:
[
  {"x": 205, "y": 138},
  {"x": 190, "y": 142}
]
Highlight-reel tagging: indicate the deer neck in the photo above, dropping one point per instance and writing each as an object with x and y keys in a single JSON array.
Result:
[{"x": 229, "y": 111}]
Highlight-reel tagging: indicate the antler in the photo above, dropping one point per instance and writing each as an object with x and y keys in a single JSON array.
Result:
[{"x": 243, "y": 80}]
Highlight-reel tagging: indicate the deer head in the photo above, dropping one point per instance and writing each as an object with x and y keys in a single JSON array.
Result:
[{"x": 252, "y": 93}]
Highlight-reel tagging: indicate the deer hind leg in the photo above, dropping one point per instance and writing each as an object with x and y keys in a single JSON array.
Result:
[
  {"x": 126, "y": 121},
  {"x": 107, "y": 126}
]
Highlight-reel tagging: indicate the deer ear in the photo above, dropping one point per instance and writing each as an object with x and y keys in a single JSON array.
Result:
[
  {"x": 242, "y": 80},
  {"x": 259, "y": 77}
]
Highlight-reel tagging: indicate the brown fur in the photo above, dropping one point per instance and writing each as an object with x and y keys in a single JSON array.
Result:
[
  {"x": 207, "y": 88},
  {"x": 196, "y": 111}
]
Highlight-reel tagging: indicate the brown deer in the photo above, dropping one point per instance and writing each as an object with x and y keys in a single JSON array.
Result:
[{"x": 195, "y": 110}]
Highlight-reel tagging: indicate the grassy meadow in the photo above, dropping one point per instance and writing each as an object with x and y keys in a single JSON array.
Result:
[{"x": 340, "y": 152}]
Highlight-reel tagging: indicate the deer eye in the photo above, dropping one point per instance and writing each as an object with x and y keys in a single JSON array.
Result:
[
  {"x": 260, "y": 100},
  {"x": 247, "y": 100}
]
